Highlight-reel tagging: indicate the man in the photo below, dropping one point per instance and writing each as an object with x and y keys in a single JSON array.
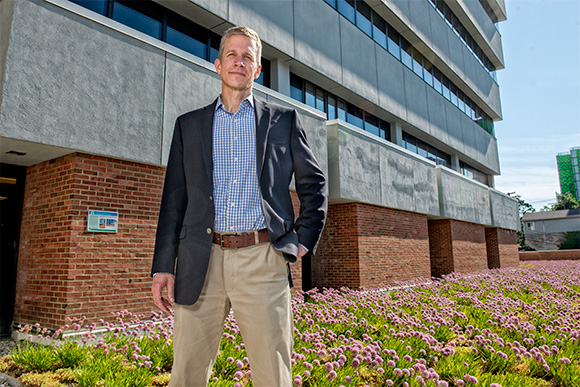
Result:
[{"x": 226, "y": 225}]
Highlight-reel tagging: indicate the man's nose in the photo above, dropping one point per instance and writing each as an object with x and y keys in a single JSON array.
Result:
[{"x": 240, "y": 61}]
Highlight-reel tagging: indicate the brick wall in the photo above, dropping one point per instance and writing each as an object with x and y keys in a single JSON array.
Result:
[
  {"x": 456, "y": 246},
  {"x": 440, "y": 247},
  {"x": 369, "y": 246},
  {"x": 502, "y": 246},
  {"x": 550, "y": 255},
  {"x": 63, "y": 270}
]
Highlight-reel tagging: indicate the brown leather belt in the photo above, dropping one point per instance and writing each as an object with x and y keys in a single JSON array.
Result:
[{"x": 244, "y": 239}]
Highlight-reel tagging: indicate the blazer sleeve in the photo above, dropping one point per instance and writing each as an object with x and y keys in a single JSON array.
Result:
[
  {"x": 173, "y": 205},
  {"x": 310, "y": 186}
]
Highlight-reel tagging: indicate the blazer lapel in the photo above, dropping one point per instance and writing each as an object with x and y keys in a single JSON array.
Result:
[
  {"x": 206, "y": 132},
  {"x": 262, "y": 129}
]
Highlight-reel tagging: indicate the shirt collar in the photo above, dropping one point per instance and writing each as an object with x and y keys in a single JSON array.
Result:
[{"x": 249, "y": 98}]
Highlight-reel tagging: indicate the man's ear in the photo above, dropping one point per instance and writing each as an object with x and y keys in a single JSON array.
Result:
[
  {"x": 218, "y": 66},
  {"x": 258, "y": 72}
]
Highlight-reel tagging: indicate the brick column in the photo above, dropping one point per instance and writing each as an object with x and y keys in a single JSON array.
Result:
[
  {"x": 370, "y": 246},
  {"x": 502, "y": 248},
  {"x": 65, "y": 271},
  {"x": 456, "y": 246}
]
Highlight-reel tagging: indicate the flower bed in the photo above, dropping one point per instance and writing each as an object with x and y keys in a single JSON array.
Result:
[{"x": 508, "y": 327}]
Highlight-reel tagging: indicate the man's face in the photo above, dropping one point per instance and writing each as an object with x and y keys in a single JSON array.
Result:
[{"x": 238, "y": 66}]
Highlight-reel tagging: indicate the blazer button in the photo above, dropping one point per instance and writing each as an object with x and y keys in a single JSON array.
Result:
[
  {"x": 208, "y": 230},
  {"x": 211, "y": 198}
]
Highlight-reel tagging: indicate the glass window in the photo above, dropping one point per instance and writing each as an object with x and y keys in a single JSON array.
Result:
[
  {"x": 140, "y": 16},
  {"x": 427, "y": 68},
  {"x": 331, "y": 107},
  {"x": 341, "y": 109},
  {"x": 98, "y": 6},
  {"x": 214, "y": 48},
  {"x": 410, "y": 142},
  {"x": 332, "y": 3},
  {"x": 379, "y": 30},
  {"x": 385, "y": 130},
  {"x": 354, "y": 116},
  {"x": 461, "y": 100},
  {"x": 264, "y": 78},
  {"x": 346, "y": 9},
  {"x": 394, "y": 43},
  {"x": 296, "y": 88},
  {"x": 445, "y": 87},
  {"x": 437, "y": 80},
  {"x": 406, "y": 53},
  {"x": 320, "y": 99},
  {"x": 417, "y": 62},
  {"x": 363, "y": 17},
  {"x": 184, "y": 34},
  {"x": 371, "y": 124},
  {"x": 310, "y": 98},
  {"x": 453, "y": 90},
  {"x": 421, "y": 148}
]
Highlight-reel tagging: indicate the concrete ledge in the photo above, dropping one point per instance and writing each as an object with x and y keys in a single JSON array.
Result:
[{"x": 550, "y": 255}]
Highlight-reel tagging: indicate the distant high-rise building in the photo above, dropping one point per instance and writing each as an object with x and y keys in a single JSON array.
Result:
[{"x": 568, "y": 172}]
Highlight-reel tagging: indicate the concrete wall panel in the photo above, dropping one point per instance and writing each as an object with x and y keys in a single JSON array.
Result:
[
  {"x": 463, "y": 199},
  {"x": 6, "y": 8},
  {"x": 272, "y": 20},
  {"x": 416, "y": 99},
  {"x": 317, "y": 38},
  {"x": 419, "y": 18},
  {"x": 504, "y": 210},
  {"x": 455, "y": 120},
  {"x": 359, "y": 67},
  {"x": 91, "y": 89},
  {"x": 438, "y": 125},
  {"x": 217, "y": 7},
  {"x": 390, "y": 84}
]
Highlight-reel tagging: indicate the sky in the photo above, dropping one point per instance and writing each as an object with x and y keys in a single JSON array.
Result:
[{"x": 540, "y": 96}]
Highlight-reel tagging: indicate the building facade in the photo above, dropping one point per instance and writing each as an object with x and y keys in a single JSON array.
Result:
[
  {"x": 548, "y": 230},
  {"x": 568, "y": 172},
  {"x": 398, "y": 99}
]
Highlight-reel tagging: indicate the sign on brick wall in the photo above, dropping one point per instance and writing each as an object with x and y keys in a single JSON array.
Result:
[{"x": 102, "y": 221}]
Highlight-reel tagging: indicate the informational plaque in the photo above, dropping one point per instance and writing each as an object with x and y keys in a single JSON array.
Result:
[{"x": 102, "y": 221}]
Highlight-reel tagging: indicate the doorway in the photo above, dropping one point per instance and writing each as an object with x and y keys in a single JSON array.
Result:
[{"x": 11, "y": 198}]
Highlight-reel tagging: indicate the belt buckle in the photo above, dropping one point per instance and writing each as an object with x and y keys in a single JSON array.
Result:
[{"x": 221, "y": 236}]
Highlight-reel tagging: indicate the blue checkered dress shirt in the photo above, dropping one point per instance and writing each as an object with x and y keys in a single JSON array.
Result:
[{"x": 235, "y": 179}]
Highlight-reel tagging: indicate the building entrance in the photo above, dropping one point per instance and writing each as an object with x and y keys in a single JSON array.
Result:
[{"x": 11, "y": 198}]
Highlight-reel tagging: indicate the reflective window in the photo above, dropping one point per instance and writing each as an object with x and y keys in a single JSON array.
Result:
[
  {"x": 371, "y": 124},
  {"x": 385, "y": 130},
  {"x": 341, "y": 110},
  {"x": 296, "y": 88},
  {"x": 264, "y": 78},
  {"x": 320, "y": 99},
  {"x": 354, "y": 116},
  {"x": 346, "y": 9},
  {"x": 379, "y": 30},
  {"x": 363, "y": 17},
  {"x": 331, "y": 107},
  {"x": 98, "y": 6},
  {"x": 138, "y": 15},
  {"x": 394, "y": 43},
  {"x": 406, "y": 53},
  {"x": 427, "y": 68},
  {"x": 332, "y": 3},
  {"x": 310, "y": 95},
  {"x": 417, "y": 62},
  {"x": 181, "y": 34}
]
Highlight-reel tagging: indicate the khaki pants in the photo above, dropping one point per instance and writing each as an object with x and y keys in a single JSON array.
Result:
[{"x": 253, "y": 282}]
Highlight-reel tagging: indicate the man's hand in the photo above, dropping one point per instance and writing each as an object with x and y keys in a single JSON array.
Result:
[
  {"x": 301, "y": 251},
  {"x": 160, "y": 282}
]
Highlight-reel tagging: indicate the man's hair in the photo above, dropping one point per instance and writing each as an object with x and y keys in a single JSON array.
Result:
[{"x": 246, "y": 31}]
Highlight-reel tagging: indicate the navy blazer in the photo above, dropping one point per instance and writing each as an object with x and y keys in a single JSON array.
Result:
[{"x": 186, "y": 218}]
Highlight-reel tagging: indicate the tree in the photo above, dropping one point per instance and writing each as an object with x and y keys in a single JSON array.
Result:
[
  {"x": 563, "y": 202},
  {"x": 523, "y": 208}
]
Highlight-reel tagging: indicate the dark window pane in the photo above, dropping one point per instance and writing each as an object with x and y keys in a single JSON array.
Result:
[
  {"x": 186, "y": 42},
  {"x": 214, "y": 48},
  {"x": 410, "y": 142},
  {"x": 427, "y": 75},
  {"x": 417, "y": 62},
  {"x": 310, "y": 98},
  {"x": 346, "y": 9},
  {"x": 264, "y": 78},
  {"x": 320, "y": 99},
  {"x": 354, "y": 116},
  {"x": 371, "y": 124},
  {"x": 332, "y": 3},
  {"x": 453, "y": 90},
  {"x": 341, "y": 109},
  {"x": 379, "y": 30},
  {"x": 421, "y": 148},
  {"x": 445, "y": 88},
  {"x": 331, "y": 107},
  {"x": 363, "y": 17},
  {"x": 406, "y": 53},
  {"x": 394, "y": 43},
  {"x": 296, "y": 86},
  {"x": 385, "y": 130},
  {"x": 98, "y": 6},
  {"x": 140, "y": 16}
]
